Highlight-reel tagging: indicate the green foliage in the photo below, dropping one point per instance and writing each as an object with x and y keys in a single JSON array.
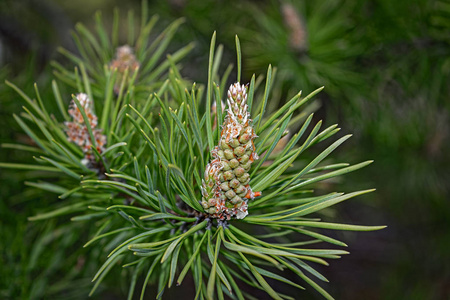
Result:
[
  {"x": 312, "y": 43},
  {"x": 141, "y": 194}
]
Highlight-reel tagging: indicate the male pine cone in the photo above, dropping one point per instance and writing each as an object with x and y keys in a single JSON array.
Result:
[{"x": 226, "y": 188}]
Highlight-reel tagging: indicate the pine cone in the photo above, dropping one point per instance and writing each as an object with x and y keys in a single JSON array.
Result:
[
  {"x": 77, "y": 131},
  {"x": 226, "y": 188},
  {"x": 125, "y": 60}
]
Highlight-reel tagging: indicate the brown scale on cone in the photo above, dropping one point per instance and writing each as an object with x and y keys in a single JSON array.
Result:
[{"x": 226, "y": 188}]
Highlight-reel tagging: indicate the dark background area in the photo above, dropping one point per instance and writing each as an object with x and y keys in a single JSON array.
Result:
[{"x": 385, "y": 66}]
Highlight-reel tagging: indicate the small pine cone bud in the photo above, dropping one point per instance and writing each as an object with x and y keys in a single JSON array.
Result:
[
  {"x": 246, "y": 181},
  {"x": 243, "y": 139},
  {"x": 228, "y": 175},
  {"x": 236, "y": 200},
  {"x": 234, "y": 143},
  {"x": 241, "y": 189},
  {"x": 239, "y": 151},
  {"x": 248, "y": 146},
  {"x": 205, "y": 204},
  {"x": 247, "y": 165},
  {"x": 228, "y": 154},
  {"x": 226, "y": 165},
  {"x": 239, "y": 171},
  {"x": 244, "y": 158},
  {"x": 234, "y": 163},
  {"x": 230, "y": 194},
  {"x": 220, "y": 154},
  {"x": 243, "y": 194},
  {"x": 244, "y": 177},
  {"x": 234, "y": 183},
  {"x": 224, "y": 145},
  {"x": 224, "y": 186}
]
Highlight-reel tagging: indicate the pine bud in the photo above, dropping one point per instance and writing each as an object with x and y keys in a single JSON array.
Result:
[
  {"x": 239, "y": 171},
  {"x": 244, "y": 159},
  {"x": 232, "y": 159},
  {"x": 241, "y": 190},
  {"x": 228, "y": 154},
  {"x": 228, "y": 175},
  {"x": 236, "y": 200},
  {"x": 230, "y": 194},
  {"x": 125, "y": 60},
  {"x": 220, "y": 154},
  {"x": 226, "y": 165},
  {"x": 247, "y": 165},
  {"x": 224, "y": 186},
  {"x": 239, "y": 151},
  {"x": 234, "y": 183},
  {"x": 77, "y": 130},
  {"x": 243, "y": 139},
  {"x": 234, "y": 143},
  {"x": 234, "y": 163},
  {"x": 244, "y": 177}
]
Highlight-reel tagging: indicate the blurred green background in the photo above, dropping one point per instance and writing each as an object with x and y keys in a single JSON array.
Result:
[{"x": 385, "y": 66}]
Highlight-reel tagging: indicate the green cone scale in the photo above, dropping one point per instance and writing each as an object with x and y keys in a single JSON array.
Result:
[{"x": 226, "y": 188}]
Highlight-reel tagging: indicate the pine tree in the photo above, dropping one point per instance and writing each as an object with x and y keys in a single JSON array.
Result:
[{"x": 171, "y": 193}]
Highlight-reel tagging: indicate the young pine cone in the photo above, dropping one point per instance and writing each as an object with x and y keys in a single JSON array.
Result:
[
  {"x": 226, "y": 188},
  {"x": 77, "y": 131},
  {"x": 125, "y": 60}
]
